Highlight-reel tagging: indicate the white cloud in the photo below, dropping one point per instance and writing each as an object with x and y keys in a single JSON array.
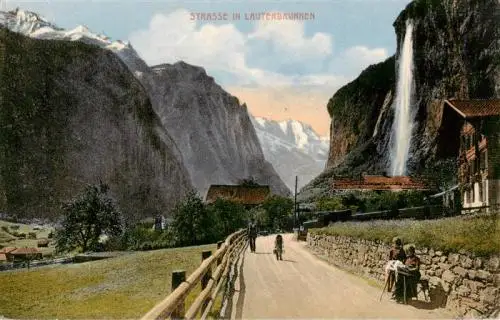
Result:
[
  {"x": 289, "y": 36},
  {"x": 174, "y": 37},
  {"x": 366, "y": 55},
  {"x": 252, "y": 58},
  {"x": 353, "y": 60}
]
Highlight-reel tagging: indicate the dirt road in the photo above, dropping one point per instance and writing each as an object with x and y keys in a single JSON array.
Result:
[{"x": 303, "y": 286}]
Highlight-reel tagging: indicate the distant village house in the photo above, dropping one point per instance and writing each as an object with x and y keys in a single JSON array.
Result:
[
  {"x": 16, "y": 254},
  {"x": 379, "y": 183}
]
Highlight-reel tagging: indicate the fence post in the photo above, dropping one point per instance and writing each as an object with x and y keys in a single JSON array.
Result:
[
  {"x": 206, "y": 277},
  {"x": 178, "y": 277},
  {"x": 219, "y": 244}
]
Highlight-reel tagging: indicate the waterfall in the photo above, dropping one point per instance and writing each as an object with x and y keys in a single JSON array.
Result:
[{"x": 404, "y": 117}]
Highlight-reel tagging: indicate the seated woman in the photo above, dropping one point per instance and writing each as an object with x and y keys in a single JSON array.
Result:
[
  {"x": 412, "y": 262},
  {"x": 395, "y": 254}
]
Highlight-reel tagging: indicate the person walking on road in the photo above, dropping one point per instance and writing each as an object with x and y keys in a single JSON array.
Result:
[{"x": 252, "y": 235}]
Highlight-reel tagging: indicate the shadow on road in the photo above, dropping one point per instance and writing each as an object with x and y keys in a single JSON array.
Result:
[{"x": 422, "y": 304}]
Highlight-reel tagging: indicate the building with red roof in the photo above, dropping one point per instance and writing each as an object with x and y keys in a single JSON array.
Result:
[{"x": 379, "y": 183}]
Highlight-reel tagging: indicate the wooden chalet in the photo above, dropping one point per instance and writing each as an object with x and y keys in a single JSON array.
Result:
[
  {"x": 379, "y": 183},
  {"x": 26, "y": 254},
  {"x": 248, "y": 196},
  {"x": 475, "y": 126},
  {"x": 13, "y": 253}
]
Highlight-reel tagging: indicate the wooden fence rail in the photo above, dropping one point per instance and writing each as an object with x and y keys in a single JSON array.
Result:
[{"x": 173, "y": 305}]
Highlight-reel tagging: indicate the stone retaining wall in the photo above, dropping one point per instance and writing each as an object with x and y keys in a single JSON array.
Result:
[{"x": 466, "y": 284}]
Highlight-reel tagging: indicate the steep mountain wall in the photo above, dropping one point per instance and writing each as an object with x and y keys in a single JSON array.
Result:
[
  {"x": 72, "y": 114},
  {"x": 358, "y": 110},
  {"x": 208, "y": 127},
  {"x": 456, "y": 55},
  {"x": 214, "y": 133}
]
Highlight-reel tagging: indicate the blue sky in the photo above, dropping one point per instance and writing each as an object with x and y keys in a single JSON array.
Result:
[{"x": 280, "y": 69}]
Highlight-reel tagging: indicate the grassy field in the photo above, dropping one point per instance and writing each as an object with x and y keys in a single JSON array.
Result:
[
  {"x": 8, "y": 240},
  {"x": 478, "y": 235},
  {"x": 116, "y": 288}
]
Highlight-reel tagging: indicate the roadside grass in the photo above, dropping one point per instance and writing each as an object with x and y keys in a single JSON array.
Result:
[
  {"x": 474, "y": 234},
  {"x": 125, "y": 287},
  {"x": 8, "y": 240}
]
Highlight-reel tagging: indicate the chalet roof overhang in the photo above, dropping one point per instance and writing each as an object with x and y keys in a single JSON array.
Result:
[{"x": 475, "y": 108}]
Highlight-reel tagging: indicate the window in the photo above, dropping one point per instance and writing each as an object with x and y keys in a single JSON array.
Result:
[
  {"x": 480, "y": 186},
  {"x": 485, "y": 161},
  {"x": 485, "y": 191}
]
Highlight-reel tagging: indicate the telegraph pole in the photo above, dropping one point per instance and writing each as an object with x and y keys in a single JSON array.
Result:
[{"x": 295, "y": 204}]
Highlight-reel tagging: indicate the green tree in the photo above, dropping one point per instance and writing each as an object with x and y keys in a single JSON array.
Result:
[
  {"x": 278, "y": 209},
  {"x": 193, "y": 224},
  {"x": 442, "y": 174},
  {"x": 228, "y": 215},
  {"x": 260, "y": 216},
  {"x": 86, "y": 218},
  {"x": 327, "y": 204},
  {"x": 248, "y": 182}
]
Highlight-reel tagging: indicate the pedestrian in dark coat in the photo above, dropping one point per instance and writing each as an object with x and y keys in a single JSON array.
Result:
[{"x": 252, "y": 235}]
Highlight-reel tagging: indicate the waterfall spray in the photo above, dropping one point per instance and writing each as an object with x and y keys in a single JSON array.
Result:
[{"x": 404, "y": 117}]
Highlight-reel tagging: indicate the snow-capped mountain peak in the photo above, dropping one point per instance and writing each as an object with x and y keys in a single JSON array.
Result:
[
  {"x": 301, "y": 135},
  {"x": 293, "y": 148},
  {"x": 34, "y": 26}
]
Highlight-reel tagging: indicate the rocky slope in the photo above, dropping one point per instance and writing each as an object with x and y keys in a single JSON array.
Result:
[
  {"x": 215, "y": 138},
  {"x": 293, "y": 148},
  {"x": 72, "y": 114},
  {"x": 456, "y": 55},
  {"x": 213, "y": 130}
]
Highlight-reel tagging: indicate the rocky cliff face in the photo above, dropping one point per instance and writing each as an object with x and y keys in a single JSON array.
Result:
[
  {"x": 456, "y": 55},
  {"x": 214, "y": 133},
  {"x": 206, "y": 129},
  {"x": 72, "y": 114},
  {"x": 293, "y": 148},
  {"x": 358, "y": 111}
]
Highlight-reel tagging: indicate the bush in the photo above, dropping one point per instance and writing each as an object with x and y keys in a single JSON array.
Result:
[
  {"x": 193, "y": 224},
  {"x": 373, "y": 201},
  {"x": 139, "y": 237},
  {"x": 228, "y": 217},
  {"x": 43, "y": 243},
  {"x": 278, "y": 210},
  {"x": 32, "y": 235},
  {"x": 5, "y": 228},
  {"x": 15, "y": 227}
]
